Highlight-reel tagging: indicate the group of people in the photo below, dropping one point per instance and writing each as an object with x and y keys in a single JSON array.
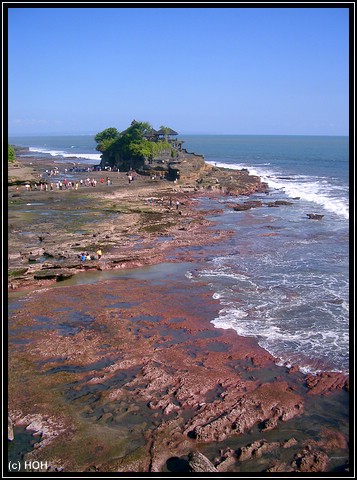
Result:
[
  {"x": 86, "y": 256},
  {"x": 65, "y": 184}
]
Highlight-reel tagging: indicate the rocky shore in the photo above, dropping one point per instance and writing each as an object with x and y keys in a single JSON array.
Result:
[
  {"x": 123, "y": 218},
  {"x": 128, "y": 374}
]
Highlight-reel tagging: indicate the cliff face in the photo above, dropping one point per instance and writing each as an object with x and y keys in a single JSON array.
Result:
[{"x": 114, "y": 160}]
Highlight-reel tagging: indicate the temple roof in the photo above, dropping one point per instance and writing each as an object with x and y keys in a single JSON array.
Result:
[
  {"x": 167, "y": 131},
  {"x": 151, "y": 133}
]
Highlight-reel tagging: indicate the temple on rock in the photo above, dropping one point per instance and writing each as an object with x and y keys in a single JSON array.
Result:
[{"x": 169, "y": 160}]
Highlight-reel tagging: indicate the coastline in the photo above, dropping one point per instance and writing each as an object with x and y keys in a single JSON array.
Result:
[{"x": 161, "y": 348}]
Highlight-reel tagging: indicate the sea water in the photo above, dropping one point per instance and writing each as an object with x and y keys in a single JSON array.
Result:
[
  {"x": 61, "y": 147},
  {"x": 283, "y": 278}
]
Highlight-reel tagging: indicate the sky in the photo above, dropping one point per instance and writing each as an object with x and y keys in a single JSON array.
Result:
[{"x": 197, "y": 70}]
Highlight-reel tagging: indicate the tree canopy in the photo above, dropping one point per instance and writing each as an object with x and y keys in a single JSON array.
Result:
[{"x": 106, "y": 138}]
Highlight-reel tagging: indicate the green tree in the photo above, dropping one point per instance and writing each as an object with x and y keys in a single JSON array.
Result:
[
  {"x": 106, "y": 138},
  {"x": 166, "y": 131},
  {"x": 11, "y": 154}
]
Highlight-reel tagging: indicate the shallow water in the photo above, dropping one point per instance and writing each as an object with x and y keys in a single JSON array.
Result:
[{"x": 23, "y": 443}]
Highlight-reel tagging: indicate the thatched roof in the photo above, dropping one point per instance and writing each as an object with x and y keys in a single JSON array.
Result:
[
  {"x": 167, "y": 131},
  {"x": 151, "y": 133}
]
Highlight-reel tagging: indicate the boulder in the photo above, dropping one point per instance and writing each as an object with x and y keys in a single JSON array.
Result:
[
  {"x": 247, "y": 205},
  {"x": 311, "y": 460},
  {"x": 199, "y": 463},
  {"x": 10, "y": 430},
  {"x": 283, "y": 202},
  {"x": 257, "y": 449},
  {"x": 56, "y": 273},
  {"x": 315, "y": 216},
  {"x": 278, "y": 203}
]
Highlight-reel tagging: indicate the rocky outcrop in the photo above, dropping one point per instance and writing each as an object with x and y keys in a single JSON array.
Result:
[
  {"x": 49, "y": 274},
  {"x": 10, "y": 430},
  {"x": 226, "y": 460},
  {"x": 257, "y": 203},
  {"x": 280, "y": 467},
  {"x": 326, "y": 382},
  {"x": 311, "y": 460},
  {"x": 232, "y": 416},
  {"x": 257, "y": 449},
  {"x": 279, "y": 203},
  {"x": 247, "y": 205},
  {"x": 199, "y": 463},
  {"x": 315, "y": 216}
]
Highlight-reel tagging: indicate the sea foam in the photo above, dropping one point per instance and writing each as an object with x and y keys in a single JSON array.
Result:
[
  {"x": 317, "y": 190},
  {"x": 62, "y": 153}
]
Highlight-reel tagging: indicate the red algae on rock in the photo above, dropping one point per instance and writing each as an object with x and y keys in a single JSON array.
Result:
[
  {"x": 112, "y": 353},
  {"x": 327, "y": 382}
]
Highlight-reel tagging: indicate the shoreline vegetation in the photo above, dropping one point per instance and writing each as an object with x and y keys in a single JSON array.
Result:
[{"x": 131, "y": 376}]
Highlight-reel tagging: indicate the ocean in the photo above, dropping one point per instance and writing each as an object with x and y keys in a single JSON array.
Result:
[
  {"x": 284, "y": 278},
  {"x": 60, "y": 146}
]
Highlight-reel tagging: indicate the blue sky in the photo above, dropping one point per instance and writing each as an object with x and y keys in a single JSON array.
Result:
[{"x": 197, "y": 70}]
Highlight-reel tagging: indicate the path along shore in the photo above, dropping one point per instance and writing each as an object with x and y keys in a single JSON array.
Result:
[{"x": 128, "y": 374}]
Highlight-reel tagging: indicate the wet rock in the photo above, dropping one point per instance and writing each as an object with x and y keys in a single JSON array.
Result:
[
  {"x": 283, "y": 202},
  {"x": 63, "y": 276},
  {"x": 267, "y": 404},
  {"x": 226, "y": 460},
  {"x": 241, "y": 208},
  {"x": 279, "y": 203},
  {"x": 199, "y": 463},
  {"x": 55, "y": 272},
  {"x": 332, "y": 440},
  {"x": 170, "y": 408},
  {"x": 311, "y": 460},
  {"x": 225, "y": 464},
  {"x": 289, "y": 443},
  {"x": 247, "y": 205},
  {"x": 256, "y": 449},
  {"x": 280, "y": 467},
  {"x": 93, "y": 468},
  {"x": 45, "y": 275},
  {"x": 326, "y": 382},
  {"x": 315, "y": 216},
  {"x": 10, "y": 430}
]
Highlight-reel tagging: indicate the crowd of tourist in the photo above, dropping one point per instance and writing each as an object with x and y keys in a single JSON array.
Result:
[{"x": 65, "y": 184}]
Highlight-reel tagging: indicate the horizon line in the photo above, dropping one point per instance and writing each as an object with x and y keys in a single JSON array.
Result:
[{"x": 57, "y": 134}]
